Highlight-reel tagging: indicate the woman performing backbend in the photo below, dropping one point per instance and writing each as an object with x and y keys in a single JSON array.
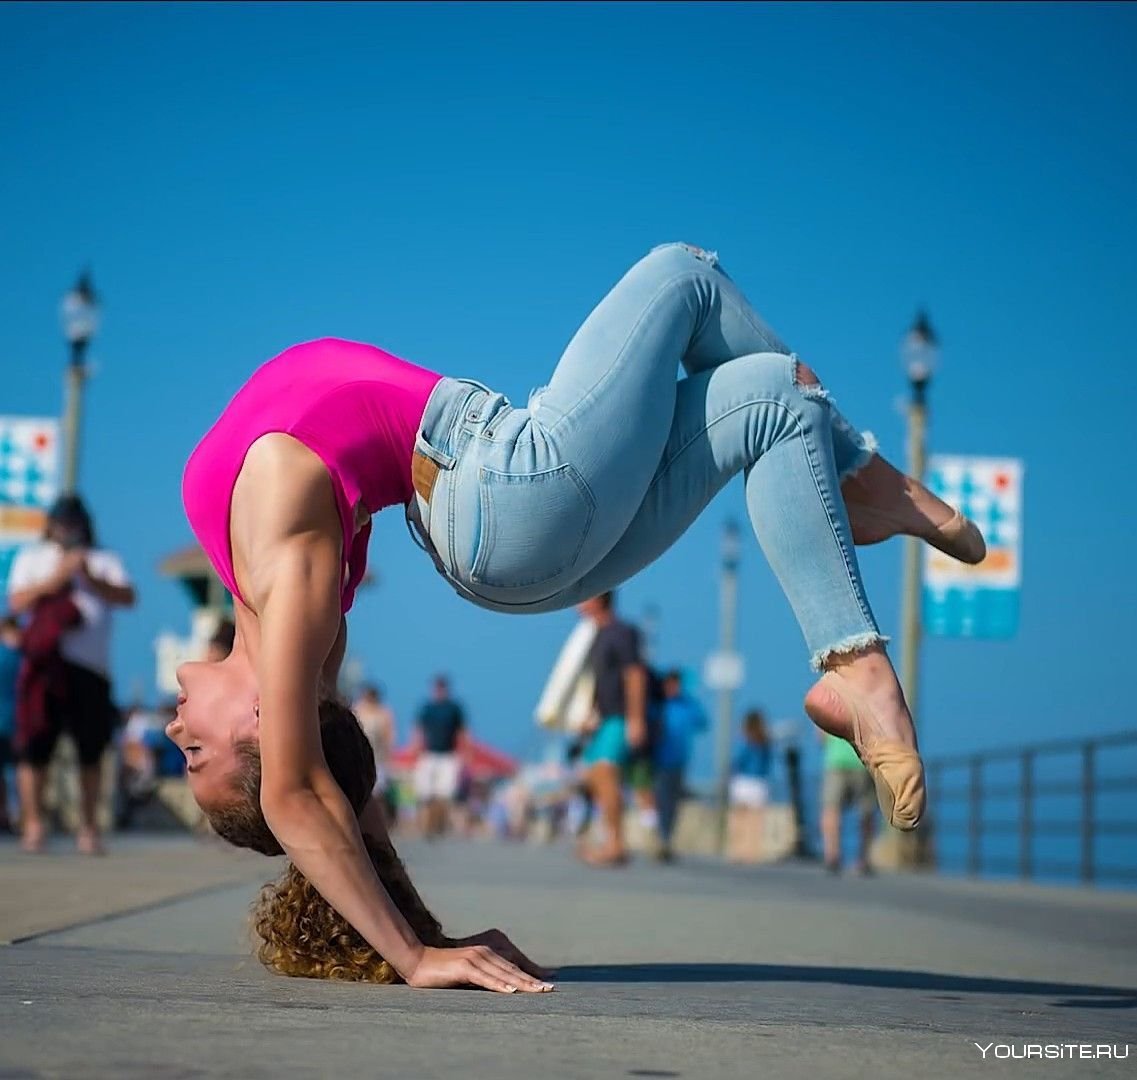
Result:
[{"x": 522, "y": 511}]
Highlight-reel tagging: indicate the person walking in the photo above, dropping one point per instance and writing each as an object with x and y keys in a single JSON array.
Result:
[
  {"x": 681, "y": 718},
  {"x": 438, "y": 771},
  {"x": 845, "y": 785},
  {"x": 69, "y": 563},
  {"x": 619, "y": 727},
  {"x": 522, "y": 510}
]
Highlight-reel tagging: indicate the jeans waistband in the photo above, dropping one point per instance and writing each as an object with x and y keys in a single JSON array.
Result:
[{"x": 456, "y": 410}]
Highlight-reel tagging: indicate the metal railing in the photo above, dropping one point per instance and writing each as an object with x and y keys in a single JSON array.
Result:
[
  {"x": 1076, "y": 799},
  {"x": 1063, "y": 811}
]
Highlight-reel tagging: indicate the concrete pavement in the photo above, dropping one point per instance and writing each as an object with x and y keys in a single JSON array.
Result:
[{"x": 697, "y": 970}]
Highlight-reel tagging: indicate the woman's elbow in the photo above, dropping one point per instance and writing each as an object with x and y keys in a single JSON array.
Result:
[
  {"x": 290, "y": 802},
  {"x": 283, "y": 804}
]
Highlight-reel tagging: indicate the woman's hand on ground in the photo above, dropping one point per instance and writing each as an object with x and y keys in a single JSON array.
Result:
[
  {"x": 472, "y": 965},
  {"x": 505, "y": 948}
]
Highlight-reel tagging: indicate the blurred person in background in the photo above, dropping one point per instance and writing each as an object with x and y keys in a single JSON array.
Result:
[
  {"x": 681, "y": 718},
  {"x": 438, "y": 771},
  {"x": 750, "y": 783},
  {"x": 579, "y": 807},
  {"x": 620, "y": 723},
  {"x": 377, "y": 719},
  {"x": 221, "y": 643},
  {"x": 10, "y": 657},
  {"x": 141, "y": 747},
  {"x": 70, "y": 563},
  {"x": 845, "y": 784}
]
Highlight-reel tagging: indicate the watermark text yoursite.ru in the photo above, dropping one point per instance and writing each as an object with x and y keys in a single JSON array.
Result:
[{"x": 1053, "y": 1051}]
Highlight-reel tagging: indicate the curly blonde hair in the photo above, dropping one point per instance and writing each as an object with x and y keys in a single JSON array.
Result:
[{"x": 300, "y": 933}]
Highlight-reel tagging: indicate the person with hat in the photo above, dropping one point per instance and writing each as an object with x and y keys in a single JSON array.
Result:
[{"x": 69, "y": 563}]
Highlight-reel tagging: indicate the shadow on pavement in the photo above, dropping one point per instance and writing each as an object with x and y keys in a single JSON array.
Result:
[{"x": 1076, "y": 995}]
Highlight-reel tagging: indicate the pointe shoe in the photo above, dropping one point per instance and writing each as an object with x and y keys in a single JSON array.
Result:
[
  {"x": 961, "y": 539},
  {"x": 896, "y": 770},
  {"x": 958, "y": 537},
  {"x": 882, "y": 503}
]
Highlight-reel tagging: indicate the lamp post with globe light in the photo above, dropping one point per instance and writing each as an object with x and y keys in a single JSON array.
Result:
[
  {"x": 80, "y": 315},
  {"x": 920, "y": 353}
]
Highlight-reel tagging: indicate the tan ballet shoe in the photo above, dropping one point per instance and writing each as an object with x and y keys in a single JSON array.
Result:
[
  {"x": 882, "y": 503},
  {"x": 961, "y": 539},
  {"x": 896, "y": 770}
]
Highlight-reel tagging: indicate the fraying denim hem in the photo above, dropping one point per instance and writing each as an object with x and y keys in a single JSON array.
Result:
[
  {"x": 869, "y": 447},
  {"x": 852, "y": 644}
]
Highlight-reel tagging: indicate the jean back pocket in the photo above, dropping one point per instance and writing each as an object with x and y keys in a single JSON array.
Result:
[{"x": 532, "y": 527}]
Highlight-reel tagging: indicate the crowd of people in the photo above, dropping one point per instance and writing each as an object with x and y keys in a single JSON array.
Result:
[
  {"x": 634, "y": 751},
  {"x": 55, "y": 680}
]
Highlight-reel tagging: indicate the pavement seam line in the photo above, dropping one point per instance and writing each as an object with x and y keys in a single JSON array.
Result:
[{"x": 122, "y": 913}]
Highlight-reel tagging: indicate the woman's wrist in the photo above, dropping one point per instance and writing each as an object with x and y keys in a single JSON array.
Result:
[{"x": 409, "y": 958}]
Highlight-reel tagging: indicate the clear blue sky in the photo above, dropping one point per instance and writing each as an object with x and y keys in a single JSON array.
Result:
[{"x": 460, "y": 184}]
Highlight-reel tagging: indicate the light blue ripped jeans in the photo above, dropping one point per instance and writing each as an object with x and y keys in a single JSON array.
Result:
[{"x": 537, "y": 509}]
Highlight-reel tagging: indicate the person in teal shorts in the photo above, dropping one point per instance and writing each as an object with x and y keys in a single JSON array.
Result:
[{"x": 621, "y": 707}]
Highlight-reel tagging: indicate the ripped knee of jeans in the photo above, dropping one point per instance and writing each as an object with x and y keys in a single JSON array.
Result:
[
  {"x": 806, "y": 380},
  {"x": 711, "y": 258}
]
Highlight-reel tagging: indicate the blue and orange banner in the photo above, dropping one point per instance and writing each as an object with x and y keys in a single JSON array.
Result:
[
  {"x": 977, "y": 601},
  {"x": 29, "y": 482}
]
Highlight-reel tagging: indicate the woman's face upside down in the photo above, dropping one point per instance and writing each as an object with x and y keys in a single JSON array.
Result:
[{"x": 217, "y": 710}]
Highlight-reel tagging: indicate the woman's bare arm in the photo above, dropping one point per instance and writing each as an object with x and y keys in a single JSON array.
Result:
[
  {"x": 330, "y": 674},
  {"x": 287, "y": 547},
  {"x": 373, "y": 824},
  {"x": 302, "y": 803}
]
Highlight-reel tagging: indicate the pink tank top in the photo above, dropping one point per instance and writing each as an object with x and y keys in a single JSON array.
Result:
[{"x": 354, "y": 405}]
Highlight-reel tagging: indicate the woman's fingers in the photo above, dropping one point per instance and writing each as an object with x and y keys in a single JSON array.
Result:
[
  {"x": 490, "y": 979},
  {"x": 509, "y": 973},
  {"x": 500, "y": 979},
  {"x": 513, "y": 954},
  {"x": 501, "y": 944}
]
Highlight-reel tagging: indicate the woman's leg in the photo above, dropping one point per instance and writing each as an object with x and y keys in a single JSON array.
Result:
[
  {"x": 612, "y": 393},
  {"x": 767, "y": 417},
  {"x": 753, "y": 415}
]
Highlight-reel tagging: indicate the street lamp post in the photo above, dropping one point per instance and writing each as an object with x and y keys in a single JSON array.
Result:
[
  {"x": 80, "y": 313},
  {"x": 728, "y": 680},
  {"x": 920, "y": 352}
]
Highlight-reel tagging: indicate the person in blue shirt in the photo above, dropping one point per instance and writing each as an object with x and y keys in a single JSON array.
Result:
[
  {"x": 681, "y": 718},
  {"x": 9, "y": 668}
]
